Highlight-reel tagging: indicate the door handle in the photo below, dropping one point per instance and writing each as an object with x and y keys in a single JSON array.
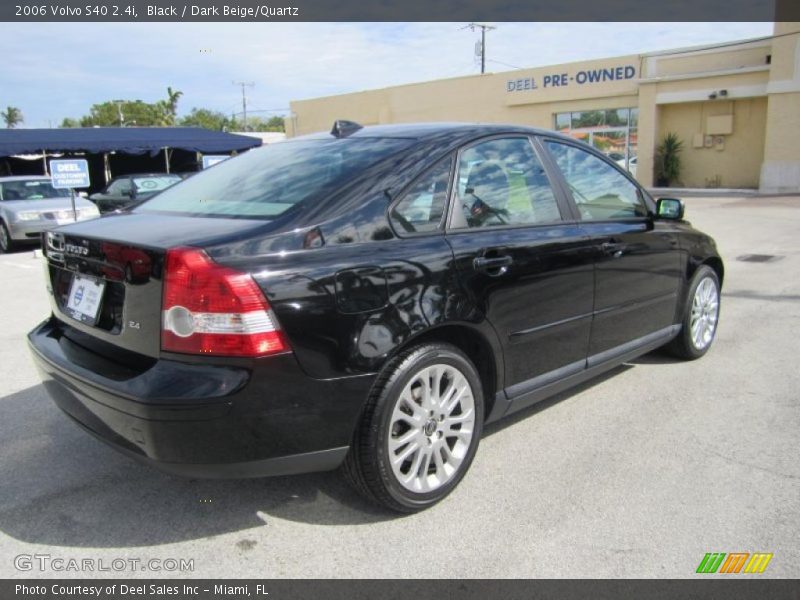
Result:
[
  {"x": 493, "y": 266},
  {"x": 612, "y": 249}
]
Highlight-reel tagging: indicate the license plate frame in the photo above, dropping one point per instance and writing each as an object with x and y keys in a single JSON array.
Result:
[{"x": 85, "y": 298}]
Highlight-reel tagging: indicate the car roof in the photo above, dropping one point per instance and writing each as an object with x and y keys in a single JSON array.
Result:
[
  {"x": 431, "y": 131},
  {"x": 24, "y": 178},
  {"x": 146, "y": 175}
]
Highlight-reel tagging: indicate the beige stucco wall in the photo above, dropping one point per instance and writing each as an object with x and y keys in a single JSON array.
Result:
[
  {"x": 754, "y": 55},
  {"x": 481, "y": 98},
  {"x": 781, "y": 169},
  {"x": 736, "y": 163}
]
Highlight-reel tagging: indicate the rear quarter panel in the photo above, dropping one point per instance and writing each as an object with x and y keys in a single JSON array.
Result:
[{"x": 347, "y": 308}]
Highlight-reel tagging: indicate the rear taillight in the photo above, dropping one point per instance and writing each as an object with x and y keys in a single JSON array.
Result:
[{"x": 215, "y": 310}]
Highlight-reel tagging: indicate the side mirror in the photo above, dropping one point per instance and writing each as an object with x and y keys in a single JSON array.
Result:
[{"x": 669, "y": 208}]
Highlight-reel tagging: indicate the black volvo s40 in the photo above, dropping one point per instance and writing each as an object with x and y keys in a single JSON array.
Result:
[{"x": 366, "y": 299}]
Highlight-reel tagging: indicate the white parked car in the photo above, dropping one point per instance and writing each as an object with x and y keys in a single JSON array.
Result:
[
  {"x": 29, "y": 204},
  {"x": 631, "y": 164}
]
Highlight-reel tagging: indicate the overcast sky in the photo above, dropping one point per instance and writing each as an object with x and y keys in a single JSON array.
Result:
[{"x": 57, "y": 70}]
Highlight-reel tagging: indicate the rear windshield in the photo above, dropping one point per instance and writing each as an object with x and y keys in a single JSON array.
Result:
[
  {"x": 30, "y": 189},
  {"x": 267, "y": 182}
]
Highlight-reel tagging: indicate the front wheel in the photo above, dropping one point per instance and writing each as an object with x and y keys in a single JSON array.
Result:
[
  {"x": 6, "y": 243},
  {"x": 700, "y": 316},
  {"x": 420, "y": 429}
]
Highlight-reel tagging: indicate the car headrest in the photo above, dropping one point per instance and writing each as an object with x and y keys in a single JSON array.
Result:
[{"x": 489, "y": 182}]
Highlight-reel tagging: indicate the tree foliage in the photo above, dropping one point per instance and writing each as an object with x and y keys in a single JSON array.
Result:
[
  {"x": 260, "y": 124},
  {"x": 12, "y": 117},
  {"x": 208, "y": 119},
  {"x": 127, "y": 113},
  {"x": 163, "y": 113}
]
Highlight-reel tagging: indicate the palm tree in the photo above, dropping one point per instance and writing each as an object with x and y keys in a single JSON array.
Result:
[
  {"x": 172, "y": 104},
  {"x": 668, "y": 161},
  {"x": 12, "y": 116}
]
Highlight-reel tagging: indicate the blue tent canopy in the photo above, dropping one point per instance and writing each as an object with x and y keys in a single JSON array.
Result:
[{"x": 131, "y": 140}]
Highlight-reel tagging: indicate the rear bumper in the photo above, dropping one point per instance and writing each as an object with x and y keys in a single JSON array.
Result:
[{"x": 251, "y": 419}]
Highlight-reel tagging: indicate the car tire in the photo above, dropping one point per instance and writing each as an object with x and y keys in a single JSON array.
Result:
[
  {"x": 700, "y": 316},
  {"x": 412, "y": 448},
  {"x": 6, "y": 243}
]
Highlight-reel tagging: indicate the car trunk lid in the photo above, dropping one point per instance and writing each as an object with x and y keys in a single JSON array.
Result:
[{"x": 106, "y": 276}]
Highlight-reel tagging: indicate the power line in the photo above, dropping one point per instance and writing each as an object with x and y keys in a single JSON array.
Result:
[{"x": 500, "y": 62}]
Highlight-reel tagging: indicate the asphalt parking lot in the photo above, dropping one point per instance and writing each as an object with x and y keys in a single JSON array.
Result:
[{"x": 638, "y": 474}]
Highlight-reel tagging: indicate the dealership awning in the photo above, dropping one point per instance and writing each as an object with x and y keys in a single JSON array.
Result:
[{"x": 130, "y": 140}]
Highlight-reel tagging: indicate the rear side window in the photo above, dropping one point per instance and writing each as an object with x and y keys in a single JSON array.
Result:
[
  {"x": 421, "y": 208},
  {"x": 266, "y": 182},
  {"x": 599, "y": 190},
  {"x": 502, "y": 182}
]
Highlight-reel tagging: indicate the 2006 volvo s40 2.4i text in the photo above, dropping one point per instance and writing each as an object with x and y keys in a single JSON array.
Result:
[{"x": 368, "y": 298}]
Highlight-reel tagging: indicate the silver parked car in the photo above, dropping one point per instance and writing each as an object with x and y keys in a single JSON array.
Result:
[{"x": 29, "y": 204}]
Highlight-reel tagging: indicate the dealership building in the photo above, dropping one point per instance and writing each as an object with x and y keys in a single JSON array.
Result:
[{"x": 734, "y": 106}]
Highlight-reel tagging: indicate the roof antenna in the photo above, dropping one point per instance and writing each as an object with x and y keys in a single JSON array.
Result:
[{"x": 343, "y": 128}]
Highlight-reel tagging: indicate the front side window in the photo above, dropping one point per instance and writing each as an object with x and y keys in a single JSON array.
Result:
[
  {"x": 599, "y": 190},
  {"x": 421, "y": 208},
  {"x": 502, "y": 182}
]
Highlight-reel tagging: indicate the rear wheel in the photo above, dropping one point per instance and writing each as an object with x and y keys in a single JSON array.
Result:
[
  {"x": 700, "y": 316},
  {"x": 420, "y": 429},
  {"x": 6, "y": 243}
]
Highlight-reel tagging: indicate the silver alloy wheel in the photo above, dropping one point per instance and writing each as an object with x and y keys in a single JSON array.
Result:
[
  {"x": 431, "y": 428},
  {"x": 705, "y": 312},
  {"x": 3, "y": 238}
]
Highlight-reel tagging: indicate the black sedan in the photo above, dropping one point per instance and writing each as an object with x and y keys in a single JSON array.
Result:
[
  {"x": 125, "y": 190},
  {"x": 369, "y": 298}
]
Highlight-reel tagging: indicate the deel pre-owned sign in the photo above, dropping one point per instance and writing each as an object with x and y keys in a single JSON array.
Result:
[{"x": 562, "y": 80}]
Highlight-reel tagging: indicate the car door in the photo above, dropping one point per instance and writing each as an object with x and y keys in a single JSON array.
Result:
[
  {"x": 526, "y": 269},
  {"x": 637, "y": 259}
]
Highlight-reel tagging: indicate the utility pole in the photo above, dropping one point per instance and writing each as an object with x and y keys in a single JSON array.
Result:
[
  {"x": 244, "y": 84},
  {"x": 119, "y": 111},
  {"x": 483, "y": 28}
]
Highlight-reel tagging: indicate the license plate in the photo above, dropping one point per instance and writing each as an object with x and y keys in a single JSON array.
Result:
[{"x": 83, "y": 302}]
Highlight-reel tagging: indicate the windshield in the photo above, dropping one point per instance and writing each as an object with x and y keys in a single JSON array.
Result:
[
  {"x": 30, "y": 189},
  {"x": 153, "y": 184},
  {"x": 266, "y": 182}
]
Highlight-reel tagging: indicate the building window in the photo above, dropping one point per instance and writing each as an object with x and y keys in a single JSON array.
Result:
[{"x": 612, "y": 131}]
